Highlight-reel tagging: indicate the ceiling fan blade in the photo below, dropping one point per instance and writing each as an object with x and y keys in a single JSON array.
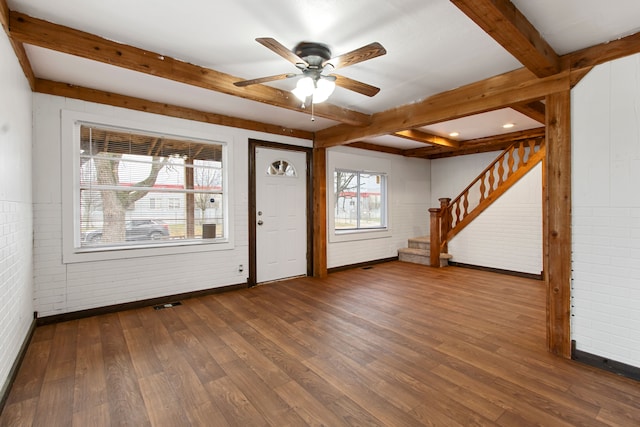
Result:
[
  {"x": 243, "y": 83},
  {"x": 364, "y": 53},
  {"x": 355, "y": 85},
  {"x": 281, "y": 50}
]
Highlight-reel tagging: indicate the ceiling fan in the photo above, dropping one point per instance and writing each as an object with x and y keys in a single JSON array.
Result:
[{"x": 314, "y": 60}]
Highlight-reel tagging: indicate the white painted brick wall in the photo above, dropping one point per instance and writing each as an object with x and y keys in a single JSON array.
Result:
[
  {"x": 508, "y": 235},
  {"x": 409, "y": 192},
  {"x": 606, "y": 211},
  {"x": 62, "y": 288},
  {"x": 16, "y": 283}
]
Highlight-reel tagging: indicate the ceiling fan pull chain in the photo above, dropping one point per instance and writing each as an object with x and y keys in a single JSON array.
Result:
[{"x": 313, "y": 119}]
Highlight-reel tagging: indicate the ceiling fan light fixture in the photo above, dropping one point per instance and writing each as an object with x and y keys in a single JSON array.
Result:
[
  {"x": 324, "y": 89},
  {"x": 304, "y": 88},
  {"x": 319, "y": 90}
]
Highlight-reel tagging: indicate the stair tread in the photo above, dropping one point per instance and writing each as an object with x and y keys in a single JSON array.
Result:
[
  {"x": 415, "y": 251},
  {"x": 421, "y": 239}
]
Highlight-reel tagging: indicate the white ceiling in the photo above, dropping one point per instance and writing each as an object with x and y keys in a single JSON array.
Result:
[{"x": 431, "y": 47}]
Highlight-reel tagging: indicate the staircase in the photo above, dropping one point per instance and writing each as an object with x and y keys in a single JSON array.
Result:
[
  {"x": 452, "y": 216},
  {"x": 418, "y": 252}
]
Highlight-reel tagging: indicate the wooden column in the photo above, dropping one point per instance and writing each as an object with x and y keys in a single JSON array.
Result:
[
  {"x": 445, "y": 224},
  {"x": 190, "y": 201},
  {"x": 557, "y": 224},
  {"x": 319, "y": 212},
  {"x": 434, "y": 238}
]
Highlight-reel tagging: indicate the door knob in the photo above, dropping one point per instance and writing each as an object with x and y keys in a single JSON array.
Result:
[{"x": 260, "y": 222}]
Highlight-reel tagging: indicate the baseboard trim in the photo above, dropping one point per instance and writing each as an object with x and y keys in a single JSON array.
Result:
[
  {"x": 361, "y": 264},
  {"x": 498, "y": 270},
  {"x": 13, "y": 372},
  {"x": 75, "y": 315},
  {"x": 618, "y": 368}
]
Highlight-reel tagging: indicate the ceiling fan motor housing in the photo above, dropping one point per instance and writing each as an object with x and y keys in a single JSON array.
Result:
[{"x": 315, "y": 54}]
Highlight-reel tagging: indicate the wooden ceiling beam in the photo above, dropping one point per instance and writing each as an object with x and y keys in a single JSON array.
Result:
[
  {"x": 479, "y": 145},
  {"x": 378, "y": 148},
  {"x": 108, "y": 98},
  {"x": 514, "y": 87},
  {"x": 534, "y": 110},
  {"x": 501, "y": 20},
  {"x": 426, "y": 138},
  {"x": 37, "y": 32},
  {"x": 18, "y": 47},
  {"x": 601, "y": 53}
]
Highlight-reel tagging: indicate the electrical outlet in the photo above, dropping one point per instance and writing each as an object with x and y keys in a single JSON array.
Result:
[{"x": 240, "y": 268}]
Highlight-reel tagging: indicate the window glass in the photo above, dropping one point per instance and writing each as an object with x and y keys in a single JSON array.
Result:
[
  {"x": 360, "y": 200},
  {"x": 141, "y": 188},
  {"x": 281, "y": 168}
]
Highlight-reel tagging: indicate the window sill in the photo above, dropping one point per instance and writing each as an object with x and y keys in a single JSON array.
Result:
[
  {"x": 106, "y": 253},
  {"x": 361, "y": 234}
]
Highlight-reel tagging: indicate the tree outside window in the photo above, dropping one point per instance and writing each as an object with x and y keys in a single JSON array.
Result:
[{"x": 119, "y": 169}]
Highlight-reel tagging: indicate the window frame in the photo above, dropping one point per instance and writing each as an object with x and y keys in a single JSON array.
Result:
[
  {"x": 70, "y": 177},
  {"x": 360, "y": 160},
  {"x": 383, "y": 202}
]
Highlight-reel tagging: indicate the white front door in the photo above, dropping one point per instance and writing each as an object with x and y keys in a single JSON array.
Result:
[{"x": 281, "y": 214}]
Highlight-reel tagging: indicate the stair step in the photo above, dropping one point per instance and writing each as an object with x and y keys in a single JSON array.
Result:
[
  {"x": 414, "y": 255},
  {"x": 421, "y": 256},
  {"x": 420, "y": 242}
]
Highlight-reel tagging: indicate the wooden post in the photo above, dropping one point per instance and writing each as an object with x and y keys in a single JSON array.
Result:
[
  {"x": 190, "y": 200},
  {"x": 434, "y": 243},
  {"x": 319, "y": 212},
  {"x": 445, "y": 223},
  {"x": 557, "y": 227}
]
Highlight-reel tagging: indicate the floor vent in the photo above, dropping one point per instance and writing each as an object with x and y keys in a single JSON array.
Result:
[
  {"x": 369, "y": 267},
  {"x": 167, "y": 305}
]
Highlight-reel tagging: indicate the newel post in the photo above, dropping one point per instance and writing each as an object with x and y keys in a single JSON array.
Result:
[
  {"x": 445, "y": 223},
  {"x": 434, "y": 231}
]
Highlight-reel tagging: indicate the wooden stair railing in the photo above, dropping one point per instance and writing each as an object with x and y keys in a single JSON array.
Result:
[{"x": 453, "y": 216}]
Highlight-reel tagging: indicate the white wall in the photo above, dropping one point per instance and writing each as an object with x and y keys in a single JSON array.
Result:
[
  {"x": 606, "y": 211},
  {"x": 61, "y": 288},
  {"x": 508, "y": 235},
  {"x": 408, "y": 187},
  {"x": 16, "y": 283}
]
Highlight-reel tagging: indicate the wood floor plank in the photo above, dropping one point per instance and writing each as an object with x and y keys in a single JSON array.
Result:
[
  {"x": 441, "y": 399},
  {"x": 234, "y": 405},
  {"x": 313, "y": 412},
  {"x": 126, "y": 405},
  {"x": 157, "y": 392},
  {"x": 484, "y": 385},
  {"x": 268, "y": 404},
  {"x": 92, "y": 416},
  {"x": 19, "y": 413},
  {"x": 394, "y": 345},
  {"x": 31, "y": 374},
  {"x": 361, "y": 391},
  {"x": 90, "y": 388}
]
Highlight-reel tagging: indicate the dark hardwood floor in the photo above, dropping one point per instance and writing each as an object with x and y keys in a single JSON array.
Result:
[{"x": 395, "y": 345}]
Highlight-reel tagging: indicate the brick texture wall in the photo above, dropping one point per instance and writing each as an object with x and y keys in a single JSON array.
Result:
[
  {"x": 62, "y": 286},
  {"x": 16, "y": 284},
  {"x": 409, "y": 192},
  {"x": 606, "y": 211},
  {"x": 506, "y": 236}
]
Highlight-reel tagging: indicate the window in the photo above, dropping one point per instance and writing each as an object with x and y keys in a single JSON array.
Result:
[
  {"x": 281, "y": 168},
  {"x": 139, "y": 188},
  {"x": 360, "y": 200}
]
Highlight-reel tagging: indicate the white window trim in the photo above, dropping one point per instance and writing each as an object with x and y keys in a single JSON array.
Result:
[{"x": 70, "y": 152}]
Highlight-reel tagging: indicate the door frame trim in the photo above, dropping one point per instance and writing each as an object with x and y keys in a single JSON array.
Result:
[{"x": 253, "y": 145}]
